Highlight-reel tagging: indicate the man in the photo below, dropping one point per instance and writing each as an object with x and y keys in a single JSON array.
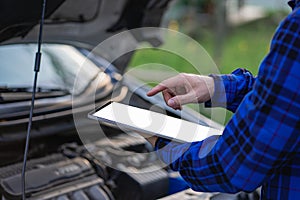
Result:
[{"x": 260, "y": 145}]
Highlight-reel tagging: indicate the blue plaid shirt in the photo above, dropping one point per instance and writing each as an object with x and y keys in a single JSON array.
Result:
[{"x": 260, "y": 145}]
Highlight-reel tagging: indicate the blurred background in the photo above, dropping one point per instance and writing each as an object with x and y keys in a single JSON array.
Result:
[{"x": 235, "y": 33}]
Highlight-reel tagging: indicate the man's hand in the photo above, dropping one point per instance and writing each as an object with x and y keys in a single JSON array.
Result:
[
  {"x": 152, "y": 140},
  {"x": 185, "y": 88}
]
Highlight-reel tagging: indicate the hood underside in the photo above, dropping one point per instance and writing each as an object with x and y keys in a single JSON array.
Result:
[{"x": 88, "y": 21}]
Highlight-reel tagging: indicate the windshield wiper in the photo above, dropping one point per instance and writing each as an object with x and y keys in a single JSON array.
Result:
[
  {"x": 5, "y": 89},
  {"x": 13, "y": 94}
]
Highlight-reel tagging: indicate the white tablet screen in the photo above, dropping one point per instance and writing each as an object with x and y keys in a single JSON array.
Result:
[{"x": 154, "y": 123}]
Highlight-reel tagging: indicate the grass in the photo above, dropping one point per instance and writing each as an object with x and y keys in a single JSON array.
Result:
[{"x": 244, "y": 46}]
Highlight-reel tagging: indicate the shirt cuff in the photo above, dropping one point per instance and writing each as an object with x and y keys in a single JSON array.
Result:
[{"x": 219, "y": 97}]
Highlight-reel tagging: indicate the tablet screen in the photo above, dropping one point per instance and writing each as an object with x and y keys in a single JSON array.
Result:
[{"x": 153, "y": 123}]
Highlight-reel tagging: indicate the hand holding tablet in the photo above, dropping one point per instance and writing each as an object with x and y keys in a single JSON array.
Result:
[{"x": 151, "y": 123}]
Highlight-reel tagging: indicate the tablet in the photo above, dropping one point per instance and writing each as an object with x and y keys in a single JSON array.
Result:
[{"x": 148, "y": 122}]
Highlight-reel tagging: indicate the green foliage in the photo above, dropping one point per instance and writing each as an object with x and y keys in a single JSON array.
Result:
[{"x": 244, "y": 46}]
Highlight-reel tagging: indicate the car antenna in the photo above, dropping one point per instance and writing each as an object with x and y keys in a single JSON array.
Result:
[{"x": 37, "y": 64}]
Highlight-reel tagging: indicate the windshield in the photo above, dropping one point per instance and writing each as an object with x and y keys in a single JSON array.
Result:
[{"x": 59, "y": 66}]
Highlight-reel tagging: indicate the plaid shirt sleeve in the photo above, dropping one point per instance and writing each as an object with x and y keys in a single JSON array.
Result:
[
  {"x": 230, "y": 89},
  {"x": 263, "y": 134}
]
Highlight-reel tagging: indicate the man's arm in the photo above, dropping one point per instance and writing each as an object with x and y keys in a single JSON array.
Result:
[
  {"x": 263, "y": 134},
  {"x": 231, "y": 89}
]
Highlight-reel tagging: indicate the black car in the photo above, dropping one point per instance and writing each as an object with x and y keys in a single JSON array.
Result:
[{"x": 68, "y": 157}]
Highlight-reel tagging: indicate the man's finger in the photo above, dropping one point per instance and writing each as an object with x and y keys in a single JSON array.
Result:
[
  {"x": 166, "y": 84},
  {"x": 173, "y": 104},
  {"x": 156, "y": 89},
  {"x": 167, "y": 95},
  {"x": 180, "y": 100}
]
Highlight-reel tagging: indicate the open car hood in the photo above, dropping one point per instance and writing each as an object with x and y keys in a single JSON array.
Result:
[
  {"x": 84, "y": 21},
  {"x": 88, "y": 21}
]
